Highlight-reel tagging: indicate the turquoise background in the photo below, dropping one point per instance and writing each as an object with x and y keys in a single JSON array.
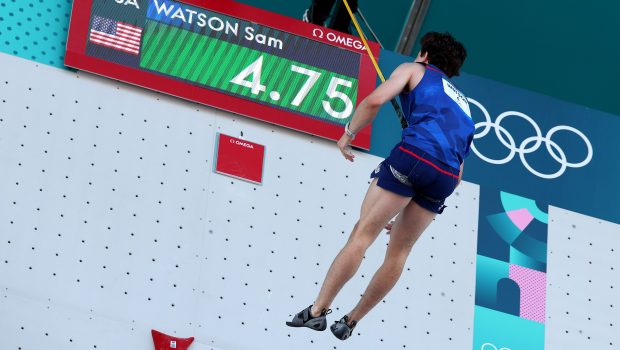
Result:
[
  {"x": 35, "y": 29},
  {"x": 488, "y": 273},
  {"x": 505, "y": 330},
  {"x": 566, "y": 49}
]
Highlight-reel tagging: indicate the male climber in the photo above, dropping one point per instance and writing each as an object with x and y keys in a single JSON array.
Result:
[{"x": 412, "y": 182}]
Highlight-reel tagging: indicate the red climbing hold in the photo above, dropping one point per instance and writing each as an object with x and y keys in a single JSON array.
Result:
[{"x": 165, "y": 342}]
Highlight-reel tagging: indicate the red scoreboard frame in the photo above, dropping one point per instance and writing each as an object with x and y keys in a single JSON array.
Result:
[{"x": 76, "y": 57}]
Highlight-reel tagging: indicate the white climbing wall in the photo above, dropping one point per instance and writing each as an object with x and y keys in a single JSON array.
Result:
[
  {"x": 583, "y": 293},
  {"x": 112, "y": 223}
]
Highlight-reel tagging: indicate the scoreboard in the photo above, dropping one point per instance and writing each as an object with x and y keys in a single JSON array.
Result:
[{"x": 230, "y": 56}]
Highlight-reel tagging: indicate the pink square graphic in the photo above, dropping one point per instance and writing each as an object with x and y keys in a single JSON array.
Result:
[
  {"x": 521, "y": 218},
  {"x": 533, "y": 285}
]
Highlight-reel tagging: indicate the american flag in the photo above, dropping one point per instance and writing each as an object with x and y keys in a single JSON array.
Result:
[{"x": 116, "y": 35}]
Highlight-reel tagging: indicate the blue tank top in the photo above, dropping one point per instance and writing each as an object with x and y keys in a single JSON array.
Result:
[{"x": 439, "y": 118}]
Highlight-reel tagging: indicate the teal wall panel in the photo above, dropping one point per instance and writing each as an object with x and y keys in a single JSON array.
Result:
[
  {"x": 497, "y": 330},
  {"x": 35, "y": 29},
  {"x": 565, "y": 49}
]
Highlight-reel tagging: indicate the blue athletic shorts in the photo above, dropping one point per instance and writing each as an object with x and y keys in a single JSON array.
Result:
[{"x": 411, "y": 172}]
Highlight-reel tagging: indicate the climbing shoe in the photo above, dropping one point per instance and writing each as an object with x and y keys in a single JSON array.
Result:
[
  {"x": 342, "y": 329},
  {"x": 304, "y": 319}
]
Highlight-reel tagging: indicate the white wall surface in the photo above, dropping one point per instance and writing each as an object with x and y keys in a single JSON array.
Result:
[
  {"x": 583, "y": 292},
  {"x": 112, "y": 223}
]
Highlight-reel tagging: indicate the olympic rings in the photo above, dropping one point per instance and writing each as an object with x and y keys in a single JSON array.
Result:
[{"x": 524, "y": 148}]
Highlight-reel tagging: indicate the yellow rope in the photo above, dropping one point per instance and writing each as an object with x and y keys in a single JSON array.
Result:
[
  {"x": 399, "y": 111},
  {"x": 359, "y": 30}
]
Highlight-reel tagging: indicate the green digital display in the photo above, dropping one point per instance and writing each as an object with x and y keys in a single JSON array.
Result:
[
  {"x": 243, "y": 71},
  {"x": 230, "y": 56}
]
